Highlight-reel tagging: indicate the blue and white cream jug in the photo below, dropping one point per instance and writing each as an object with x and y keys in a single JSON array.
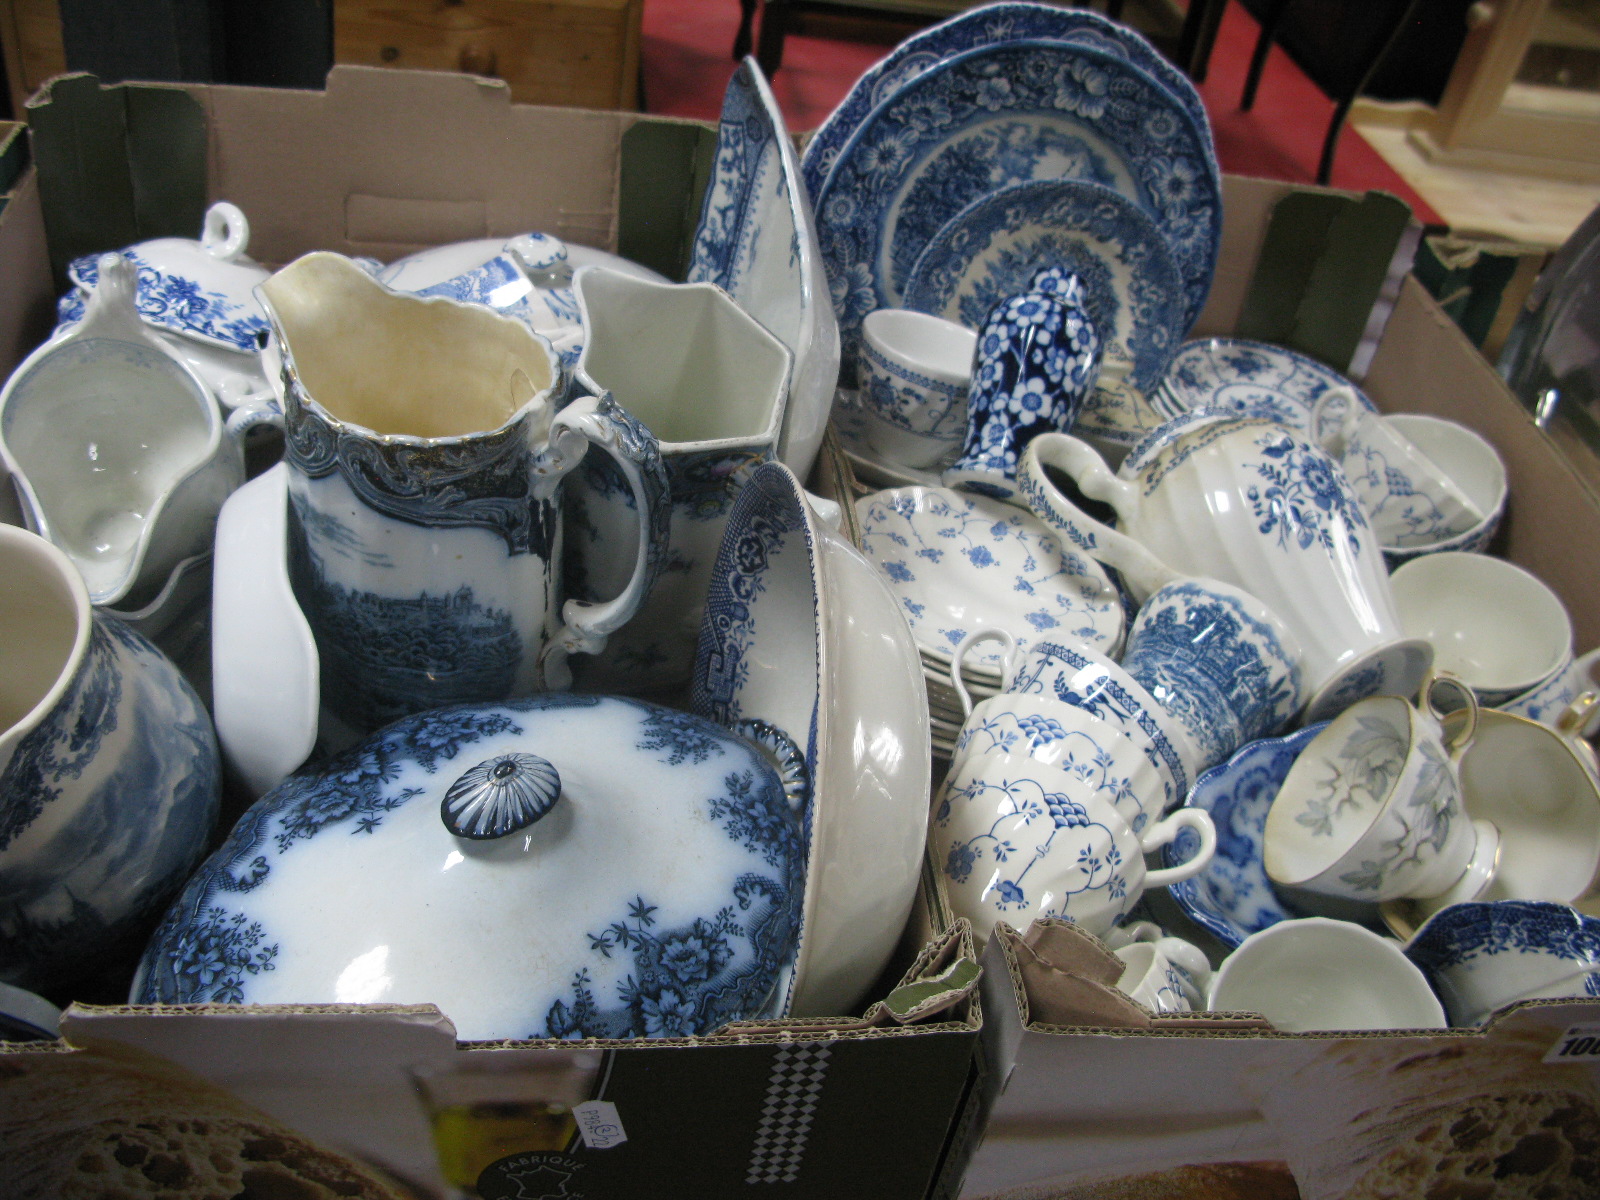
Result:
[{"x": 425, "y": 456}]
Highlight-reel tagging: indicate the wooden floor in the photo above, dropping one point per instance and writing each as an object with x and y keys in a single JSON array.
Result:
[{"x": 1532, "y": 210}]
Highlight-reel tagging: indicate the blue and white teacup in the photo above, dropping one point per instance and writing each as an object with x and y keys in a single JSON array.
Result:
[
  {"x": 1483, "y": 956},
  {"x": 1038, "y": 358},
  {"x": 1023, "y": 840},
  {"x": 1155, "y": 981},
  {"x": 1551, "y": 701},
  {"x": 915, "y": 369},
  {"x": 1219, "y": 661}
]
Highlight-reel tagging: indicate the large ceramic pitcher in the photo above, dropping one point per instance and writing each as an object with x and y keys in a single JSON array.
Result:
[{"x": 425, "y": 457}]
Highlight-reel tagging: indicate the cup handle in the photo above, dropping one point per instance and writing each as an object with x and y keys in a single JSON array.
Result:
[
  {"x": 602, "y": 422},
  {"x": 1333, "y": 419},
  {"x": 1457, "y": 745},
  {"x": 1140, "y": 569},
  {"x": 958, "y": 657},
  {"x": 1164, "y": 830},
  {"x": 226, "y": 231},
  {"x": 250, "y": 410}
]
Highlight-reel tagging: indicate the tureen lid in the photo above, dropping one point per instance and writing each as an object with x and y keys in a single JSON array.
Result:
[{"x": 558, "y": 866}]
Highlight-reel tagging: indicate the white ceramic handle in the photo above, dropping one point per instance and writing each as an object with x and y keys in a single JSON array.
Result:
[
  {"x": 1189, "y": 958},
  {"x": 226, "y": 232},
  {"x": 1339, "y": 406},
  {"x": 602, "y": 422},
  {"x": 1141, "y": 570},
  {"x": 1164, "y": 830},
  {"x": 958, "y": 658},
  {"x": 252, "y": 412}
]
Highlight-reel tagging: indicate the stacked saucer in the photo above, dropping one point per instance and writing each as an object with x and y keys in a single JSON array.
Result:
[{"x": 960, "y": 562}]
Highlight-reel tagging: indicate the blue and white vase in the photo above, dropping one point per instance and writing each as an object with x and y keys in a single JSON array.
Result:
[
  {"x": 425, "y": 503},
  {"x": 1037, "y": 360},
  {"x": 109, "y": 774}
]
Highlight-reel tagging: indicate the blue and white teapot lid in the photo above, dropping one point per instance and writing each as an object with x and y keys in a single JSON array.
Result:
[{"x": 557, "y": 866}]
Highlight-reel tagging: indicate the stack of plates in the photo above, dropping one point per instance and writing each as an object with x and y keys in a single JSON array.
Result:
[
  {"x": 1014, "y": 137},
  {"x": 959, "y": 563}
]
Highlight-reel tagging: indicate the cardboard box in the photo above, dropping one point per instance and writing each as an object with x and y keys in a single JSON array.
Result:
[
  {"x": 385, "y": 163},
  {"x": 1191, "y": 1108}
]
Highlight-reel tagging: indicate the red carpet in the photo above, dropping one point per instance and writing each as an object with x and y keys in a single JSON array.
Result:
[{"x": 688, "y": 47}]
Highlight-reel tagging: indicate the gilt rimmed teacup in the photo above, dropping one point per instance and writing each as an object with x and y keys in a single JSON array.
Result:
[
  {"x": 1372, "y": 809},
  {"x": 915, "y": 370},
  {"x": 1491, "y": 623}
]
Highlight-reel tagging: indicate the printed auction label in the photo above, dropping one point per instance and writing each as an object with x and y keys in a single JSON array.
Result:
[{"x": 1580, "y": 1043}]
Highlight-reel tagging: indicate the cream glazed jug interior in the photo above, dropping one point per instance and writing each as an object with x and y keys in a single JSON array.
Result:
[{"x": 382, "y": 360}]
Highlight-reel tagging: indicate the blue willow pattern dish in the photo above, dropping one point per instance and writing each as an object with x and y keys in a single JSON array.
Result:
[
  {"x": 1232, "y": 897},
  {"x": 1037, "y": 360},
  {"x": 330, "y": 888},
  {"x": 1001, "y": 115},
  {"x": 172, "y": 302},
  {"x": 960, "y": 563},
  {"x": 993, "y": 248},
  {"x": 989, "y": 25}
]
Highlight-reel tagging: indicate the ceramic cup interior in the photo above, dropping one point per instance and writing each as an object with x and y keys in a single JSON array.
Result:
[
  {"x": 1315, "y": 974},
  {"x": 102, "y": 430},
  {"x": 922, "y": 342},
  {"x": 1471, "y": 463},
  {"x": 1491, "y": 623},
  {"x": 44, "y": 613}
]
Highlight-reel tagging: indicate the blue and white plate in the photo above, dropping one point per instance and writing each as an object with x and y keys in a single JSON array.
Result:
[
  {"x": 988, "y": 25},
  {"x": 757, "y": 240},
  {"x": 1233, "y": 897},
  {"x": 1001, "y": 115},
  {"x": 961, "y": 562},
  {"x": 992, "y": 248},
  {"x": 1249, "y": 378}
]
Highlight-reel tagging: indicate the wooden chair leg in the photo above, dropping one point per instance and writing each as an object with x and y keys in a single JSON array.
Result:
[
  {"x": 742, "y": 40},
  {"x": 1199, "y": 35}
]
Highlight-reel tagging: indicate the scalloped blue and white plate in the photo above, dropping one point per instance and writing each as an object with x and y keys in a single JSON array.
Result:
[
  {"x": 992, "y": 248},
  {"x": 988, "y": 25},
  {"x": 1001, "y": 115},
  {"x": 1256, "y": 379}
]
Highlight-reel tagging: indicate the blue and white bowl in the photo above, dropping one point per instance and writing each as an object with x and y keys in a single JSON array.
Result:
[
  {"x": 558, "y": 866},
  {"x": 1248, "y": 378},
  {"x": 1232, "y": 897},
  {"x": 1483, "y": 956}
]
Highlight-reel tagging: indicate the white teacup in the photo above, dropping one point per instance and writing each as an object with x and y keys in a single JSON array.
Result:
[
  {"x": 1186, "y": 956},
  {"x": 1022, "y": 841},
  {"x": 1550, "y": 701},
  {"x": 1155, "y": 981},
  {"x": 915, "y": 369},
  {"x": 1491, "y": 623},
  {"x": 1372, "y": 808},
  {"x": 1315, "y": 973}
]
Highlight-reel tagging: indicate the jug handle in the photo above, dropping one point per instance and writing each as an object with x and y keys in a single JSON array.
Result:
[
  {"x": 1334, "y": 417},
  {"x": 1141, "y": 570},
  {"x": 601, "y": 421}
]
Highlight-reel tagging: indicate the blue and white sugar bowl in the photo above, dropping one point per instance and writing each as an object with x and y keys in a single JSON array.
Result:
[{"x": 557, "y": 866}]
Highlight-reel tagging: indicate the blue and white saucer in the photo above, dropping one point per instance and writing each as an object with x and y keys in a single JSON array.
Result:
[{"x": 1249, "y": 378}]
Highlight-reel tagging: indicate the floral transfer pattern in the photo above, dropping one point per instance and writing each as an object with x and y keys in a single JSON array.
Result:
[
  {"x": 171, "y": 302},
  {"x": 961, "y": 562},
  {"x": 1058, "y": 111}
]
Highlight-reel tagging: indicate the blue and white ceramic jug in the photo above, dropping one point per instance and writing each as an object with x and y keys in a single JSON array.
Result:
[
  {"x": 109, "y": 775},
  {"x": 425, "y": 532}
]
